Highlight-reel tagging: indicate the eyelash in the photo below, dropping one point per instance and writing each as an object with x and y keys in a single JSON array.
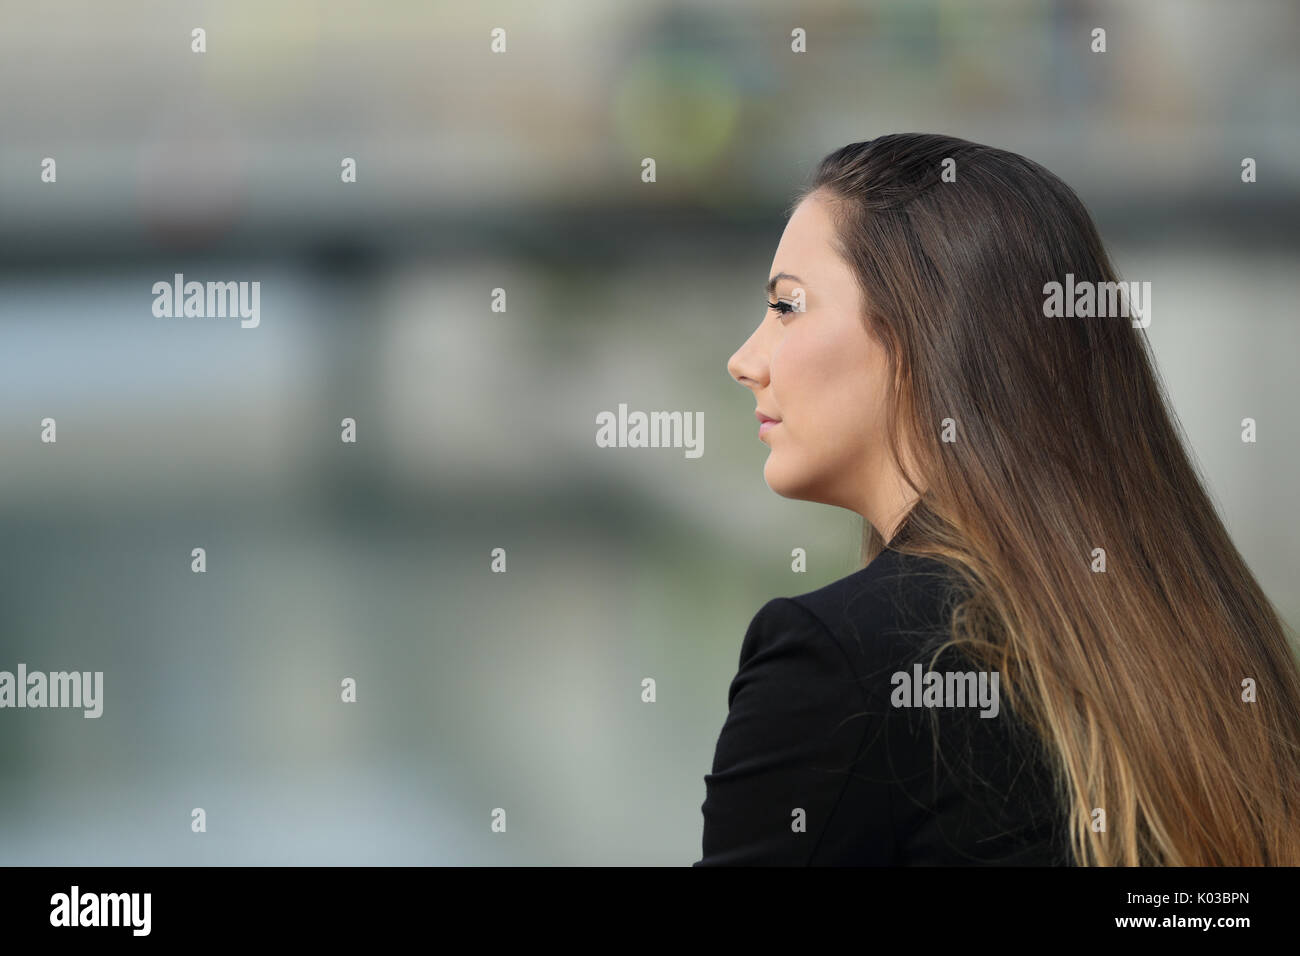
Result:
[{"x": 781, "y": 308}]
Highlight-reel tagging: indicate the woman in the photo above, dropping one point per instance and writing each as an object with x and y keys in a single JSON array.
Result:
[{"x": 1031, "y": 520}]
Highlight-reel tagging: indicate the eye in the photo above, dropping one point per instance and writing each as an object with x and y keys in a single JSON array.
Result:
[{"x": 781, "y": 308}]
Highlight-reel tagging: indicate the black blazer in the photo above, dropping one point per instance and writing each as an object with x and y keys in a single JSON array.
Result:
[{"x": 810, "y": 726}]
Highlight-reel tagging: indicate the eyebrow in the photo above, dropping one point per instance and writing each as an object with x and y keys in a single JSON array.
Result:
[{"x": 771, "y": 283}]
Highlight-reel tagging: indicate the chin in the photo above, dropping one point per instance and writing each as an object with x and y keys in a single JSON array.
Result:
[{"x": 785, "y": 485}]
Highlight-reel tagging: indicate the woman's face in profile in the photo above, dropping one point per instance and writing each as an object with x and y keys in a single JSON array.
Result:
[{"x": 819, "y": 373}]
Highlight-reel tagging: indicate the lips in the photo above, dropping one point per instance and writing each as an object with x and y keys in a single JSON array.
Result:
[{"x": 765, "y": 418}]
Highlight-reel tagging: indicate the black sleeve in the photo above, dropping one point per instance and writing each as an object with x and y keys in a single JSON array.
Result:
[{"x": 799, "y": 722}]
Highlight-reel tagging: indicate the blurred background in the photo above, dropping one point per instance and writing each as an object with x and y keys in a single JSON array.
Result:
[{"x": 475, "y": 428}]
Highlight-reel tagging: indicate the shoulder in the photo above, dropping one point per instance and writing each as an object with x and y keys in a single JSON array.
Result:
[
  {"x": 826, "y": 666},
  {"x": 803, "y": 721},
  {"x": 889, "y": 613},
  {"x": 859, "y": 630},
  {"x": 818, "y": 763},
  {"x": 893, "y": 582}
]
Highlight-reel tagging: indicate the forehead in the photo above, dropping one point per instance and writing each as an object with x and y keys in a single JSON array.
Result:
[{"x": 807, "y": 247}]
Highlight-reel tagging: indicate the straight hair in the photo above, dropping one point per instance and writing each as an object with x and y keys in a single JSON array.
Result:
[{"x": 1136, "y": 679}]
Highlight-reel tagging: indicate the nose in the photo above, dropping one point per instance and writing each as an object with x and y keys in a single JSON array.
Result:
[{"x": 748, "y": 365}]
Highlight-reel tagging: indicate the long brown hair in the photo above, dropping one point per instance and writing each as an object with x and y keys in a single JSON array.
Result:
[{"x": 1133, "y": 677}]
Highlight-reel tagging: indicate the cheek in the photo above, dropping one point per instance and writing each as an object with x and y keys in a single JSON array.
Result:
[{"x": 825, "y": 385}]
